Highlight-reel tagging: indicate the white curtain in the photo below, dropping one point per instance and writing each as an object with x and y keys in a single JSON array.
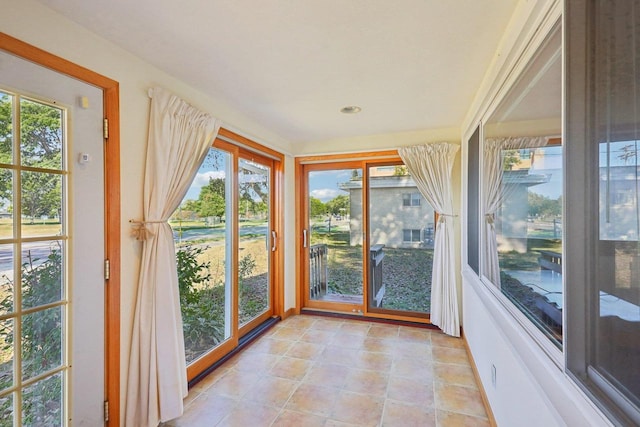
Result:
[
  {"x": 430, "y": 166},
  {"x": 495, "y": 193},
  {"x": 179, "y": 139}
]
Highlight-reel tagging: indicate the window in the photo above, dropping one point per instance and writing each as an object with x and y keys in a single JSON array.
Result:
[
  {"x": 412, "y": 235},
  {"x": 522, "y": 192},
  {"x": 473, "y": 201},
  {"x": 34, "y": 306},
  {"x": 603, "y": 194},
  {"x": 227, "y": 251},
  {"x": 411, "y": 199}
]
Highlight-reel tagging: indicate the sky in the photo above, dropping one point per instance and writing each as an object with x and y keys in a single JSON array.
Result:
[{"x": 323, "y": 185}]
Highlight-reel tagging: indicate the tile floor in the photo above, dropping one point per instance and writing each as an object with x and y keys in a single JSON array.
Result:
[{"x": 316, "y": 371}]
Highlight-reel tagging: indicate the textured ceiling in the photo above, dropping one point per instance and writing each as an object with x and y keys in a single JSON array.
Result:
[{"x": 291, "y": 65}]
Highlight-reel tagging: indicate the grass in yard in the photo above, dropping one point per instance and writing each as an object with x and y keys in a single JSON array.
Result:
[{"x": 406, "y": 272}]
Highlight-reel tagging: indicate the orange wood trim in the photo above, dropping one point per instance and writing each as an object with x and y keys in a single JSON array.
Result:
[
  {"x": 199, "y": 365},
  {"x": 291, "y": 312},
  {"x": 278, "y": 225},
  {"x": 392, "y": 154},
  {"x": 405, "y": 318},
  {"x": 111, "y": 95},
  {"x": 300, "y": 225},
  {"x": 252, "y": 145},
  {"x": 476, "y": 375},
  {"x": 554, "y": 141}
]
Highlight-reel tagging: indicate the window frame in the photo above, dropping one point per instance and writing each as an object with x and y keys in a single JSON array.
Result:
[{"x": 411, "y": 200}]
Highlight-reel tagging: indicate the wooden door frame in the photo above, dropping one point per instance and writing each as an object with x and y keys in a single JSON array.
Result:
[
  {"x": 111, "y": 96},
  {"x": 363, "y": 160}
]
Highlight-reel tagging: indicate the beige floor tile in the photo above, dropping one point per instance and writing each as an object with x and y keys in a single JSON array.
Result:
[
  {"x": 327, "y": 375},
  {"x": 398, "y": 414},
  {"x": 285, "y": 333},
  {"x": 355, "y": 327},
  {"x": 379, "y": 345},
  {"x": 299, "y": 322},
  {"x": 442, "y": 340},
  {"x": 327, "y": 323},
  {"x": 463, "y": 400},
  {"x": 415, "y": 350},
  {"x": 374, "y": 361},
  {"x": 250, "y": 414},
  {"x": 205, "y": 411},
  {"x": 270, "y": 345},
  {"x": 450, "y": 419},
  {"x": 314, "y": 371},
  {"x": 305, "y": 350},
  {"x": 291, "y": 368},
  {"x": 272, "y": 391},
  {"x": 339, "y": 355},
  {"x": 318, "y": 336},
  {"x": 367, "y": 382},
  {"x": 256, "y": 362},
  {"x": 410, "y": 391},
  {"x": 210, "y": 379},
  {"x": 413, "y": 334},
  {"x": 298, "y": 419},
  {"x": 348, "y": 340},
  {"x": 313, "y": 399},
  {"x": 419, "y": 369},
  {"x": 234, "y": 384},
  {"x": 454, "y": 374},
  {"x": 450, "y": 355},
  {"x": 356, "y": 408},
  {"x": 383, "y": 331}
]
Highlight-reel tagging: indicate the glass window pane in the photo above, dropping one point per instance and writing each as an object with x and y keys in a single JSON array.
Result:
[
  {"x": 335, "y": 235},
  {"x": 202, "y": 231},
  {"x": 6, "y": 410},
  {"x": 7, "y": 341},
  {"x": 41, "y": 135},
  {"x": 41, "y": 341},
  {"x": 42, "y": 276},
  {"x": 6, "y": 279},
  {"x": 6, "y": 128},
  {"x": 41, "y": 204},
  {"x": 401, "y": 242},
  {"x": 42, "y": 403},
  {"x": 6, "y": 204},
  {"x": 255, "y": 240},
  {"x": 528, "y": 227}
]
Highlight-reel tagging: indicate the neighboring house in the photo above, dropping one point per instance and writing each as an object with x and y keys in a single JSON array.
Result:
[{"x": 400, "y": 216}]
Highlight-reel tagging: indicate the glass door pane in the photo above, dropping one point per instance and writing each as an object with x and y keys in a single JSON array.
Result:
[
  {"x": 203, "y": 234},
  {"x": 334, "y": 237},
  {"x": 401, "y": 236},
  {"x": 255, "y": 240}
]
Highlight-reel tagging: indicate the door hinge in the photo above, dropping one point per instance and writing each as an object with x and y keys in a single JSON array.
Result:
[
  {"x": 107, "y": 269},
  {"x": 106, "y": 411},
  {"x": 105, "y": 128}
]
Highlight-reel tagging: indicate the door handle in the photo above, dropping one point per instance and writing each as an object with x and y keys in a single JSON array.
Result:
[
  {"x": 304, "y": 238},
  {"x": 273, "y": 240}
]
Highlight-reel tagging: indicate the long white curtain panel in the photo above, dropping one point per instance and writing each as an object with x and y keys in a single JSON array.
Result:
[
  {"x": 179, "y": 139},
  {"x": 431, "y": 165}
]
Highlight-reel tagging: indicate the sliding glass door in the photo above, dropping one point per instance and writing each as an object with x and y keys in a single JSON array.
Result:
[
  {"x": 401, "y": 235},
  {"x": 367, "y": 239},
  {"x": 225, "y": 245},
  {"x": 333, "y": 237}
]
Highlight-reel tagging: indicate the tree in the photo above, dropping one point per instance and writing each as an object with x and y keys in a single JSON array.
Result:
[
  {"x": 338, "y": 205},
  {"x": 543, "y": 206},
  {"x": 41, "y": 141},
  {"x": 510, "y": 158},
  {"x": 400, "y": 171},
  {"x": 316, "y": 207}
]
